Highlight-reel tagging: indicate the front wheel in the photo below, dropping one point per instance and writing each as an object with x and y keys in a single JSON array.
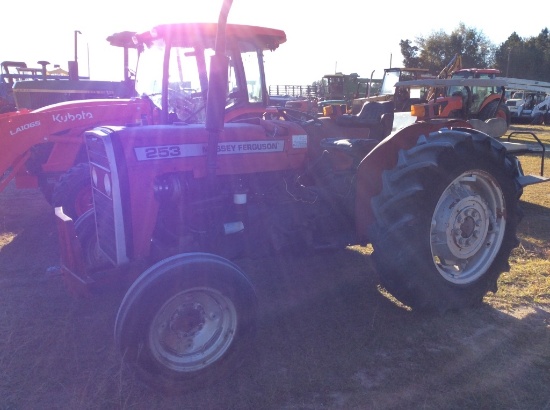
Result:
[
  {"x": 187, "y": 322},
  {"x": 85, "y": 229},
  {"x": 73, "y": 191},
  {"x": 446, "y": 221}
]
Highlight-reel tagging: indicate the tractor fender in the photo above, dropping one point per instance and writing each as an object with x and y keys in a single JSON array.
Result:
[
  {"x": 384, "y": 157},
  {"x": 187, "y": 321},
  {"x": 164, "y": 271},
  {"x": 489, "y": 99}
]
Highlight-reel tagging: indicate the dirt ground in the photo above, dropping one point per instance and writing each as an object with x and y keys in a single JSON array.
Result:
[{"x": 328, "y": 338}]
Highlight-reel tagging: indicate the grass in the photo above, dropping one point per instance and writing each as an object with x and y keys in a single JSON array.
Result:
[
  {"x": 328, "y": 338},
  {"x": 529, "y": 278}
]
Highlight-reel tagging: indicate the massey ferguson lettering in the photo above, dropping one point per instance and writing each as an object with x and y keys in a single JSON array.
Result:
[
  {"x": 249, "y": 147},
  {"x": 25, "y": 127},
  {"x": 68, "y": 117},
  {"x": 197, "y": 150}
]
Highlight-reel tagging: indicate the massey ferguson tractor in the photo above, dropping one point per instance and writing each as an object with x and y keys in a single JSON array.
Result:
[
  {"x": 44, "y": 147},
  {"x": 176, "y": 205}
]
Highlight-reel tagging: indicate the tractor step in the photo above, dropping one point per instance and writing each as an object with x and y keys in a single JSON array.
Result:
[
  {"x": 531, "y": 180},
  {"x": 521, "y": 148}
]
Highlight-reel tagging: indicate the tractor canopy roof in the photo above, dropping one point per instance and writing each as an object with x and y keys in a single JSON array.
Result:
[
  {"x": 341, "y": 75},
  {"x": 477, "y": 73},
  {"x": 454, "y": 82},
  {"x": 191, "y": 34},
  {"x": 410, "y": 69},
  {"x": 123, "y": 39}
]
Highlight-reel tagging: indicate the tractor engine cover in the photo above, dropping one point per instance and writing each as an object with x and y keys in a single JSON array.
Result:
[{"x": 128, "y": 161}]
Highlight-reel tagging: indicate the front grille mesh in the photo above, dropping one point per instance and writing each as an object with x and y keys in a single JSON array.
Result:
[{"x": 103, "y": 203}]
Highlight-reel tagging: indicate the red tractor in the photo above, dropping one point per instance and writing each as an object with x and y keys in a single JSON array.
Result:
[
  {"x": 44, "y": 147},
  {"x": 177, "y": 204}
]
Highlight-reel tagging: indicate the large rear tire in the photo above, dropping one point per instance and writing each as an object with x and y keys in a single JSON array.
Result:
[
  {"x": 446, "y": 221},
  {"x": 187, "y": 322}
]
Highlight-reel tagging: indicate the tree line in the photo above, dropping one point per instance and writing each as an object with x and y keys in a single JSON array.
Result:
[{"x": 518, "y": 57}]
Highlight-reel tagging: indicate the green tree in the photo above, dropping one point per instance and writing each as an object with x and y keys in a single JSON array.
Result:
[
  {"x": 410, "y": 54},
  {"x": 504, "y": 55},
  {"x": 525, "y": 58},
  {"x": 518, "y": 57},
  {"x": 436, "y": 50}
]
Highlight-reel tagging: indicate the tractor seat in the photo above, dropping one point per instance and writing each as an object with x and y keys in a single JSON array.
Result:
[
  {"x": 375, "y": 115},
  {"x": 355, "y": 147}
]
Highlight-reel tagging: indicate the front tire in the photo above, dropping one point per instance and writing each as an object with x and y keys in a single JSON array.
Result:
[
  {"x": 187, "y": 322},
  {"x": 73, "y": 191},
  {"x": 446, "y": 221},
  {"x": 86, "y": 232}
]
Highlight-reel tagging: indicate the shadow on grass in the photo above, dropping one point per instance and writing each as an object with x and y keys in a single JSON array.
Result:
[
  {"x": 327, "y": 338},
  {"x": 535, "y": 225}
]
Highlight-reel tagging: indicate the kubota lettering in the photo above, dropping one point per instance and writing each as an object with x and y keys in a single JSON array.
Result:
[{"x": 68, "y": 117}]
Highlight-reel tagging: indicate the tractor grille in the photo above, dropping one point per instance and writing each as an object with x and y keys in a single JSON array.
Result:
[
  {"x": 106, "y": 195},
  {"x": 105, "y": 225},
  {"x": 96, "y": 151}
]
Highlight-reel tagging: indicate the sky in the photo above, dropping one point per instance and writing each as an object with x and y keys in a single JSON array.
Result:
[{"x": 323, "y": 37}]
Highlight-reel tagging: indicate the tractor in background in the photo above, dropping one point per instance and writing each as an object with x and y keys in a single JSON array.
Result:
[
  {"x": 7, "y": 74},
  {"x": 468, "y": 94},
  {"x": 336, "y": 90},
  {"x": 29, "y": 88},
  {"x": 341, "y": 89},
  {"x": 402, "y": 98}
]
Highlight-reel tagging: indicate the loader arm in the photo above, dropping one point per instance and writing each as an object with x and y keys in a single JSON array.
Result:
[{"x": 62, "y": 125}]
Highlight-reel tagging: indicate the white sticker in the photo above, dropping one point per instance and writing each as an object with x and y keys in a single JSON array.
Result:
[{"x": 299, "y": 141}]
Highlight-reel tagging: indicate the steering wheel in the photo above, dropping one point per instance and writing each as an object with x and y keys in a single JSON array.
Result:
[{"x": 290, "y": 114}]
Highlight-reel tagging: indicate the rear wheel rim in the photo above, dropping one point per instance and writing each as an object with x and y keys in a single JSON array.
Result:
[{"x": 468, "y": 227}]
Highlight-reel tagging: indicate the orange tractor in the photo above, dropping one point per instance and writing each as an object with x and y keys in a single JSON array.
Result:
[{"x": 467, "y": 94}]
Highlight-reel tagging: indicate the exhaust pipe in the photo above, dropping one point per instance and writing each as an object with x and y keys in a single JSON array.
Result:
[{"x": 217, "y": 90}]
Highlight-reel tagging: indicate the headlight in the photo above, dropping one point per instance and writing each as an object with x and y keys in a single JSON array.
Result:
[
  {"x": 107, "y": 184},
  {"x": 94, "y": 176}
]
